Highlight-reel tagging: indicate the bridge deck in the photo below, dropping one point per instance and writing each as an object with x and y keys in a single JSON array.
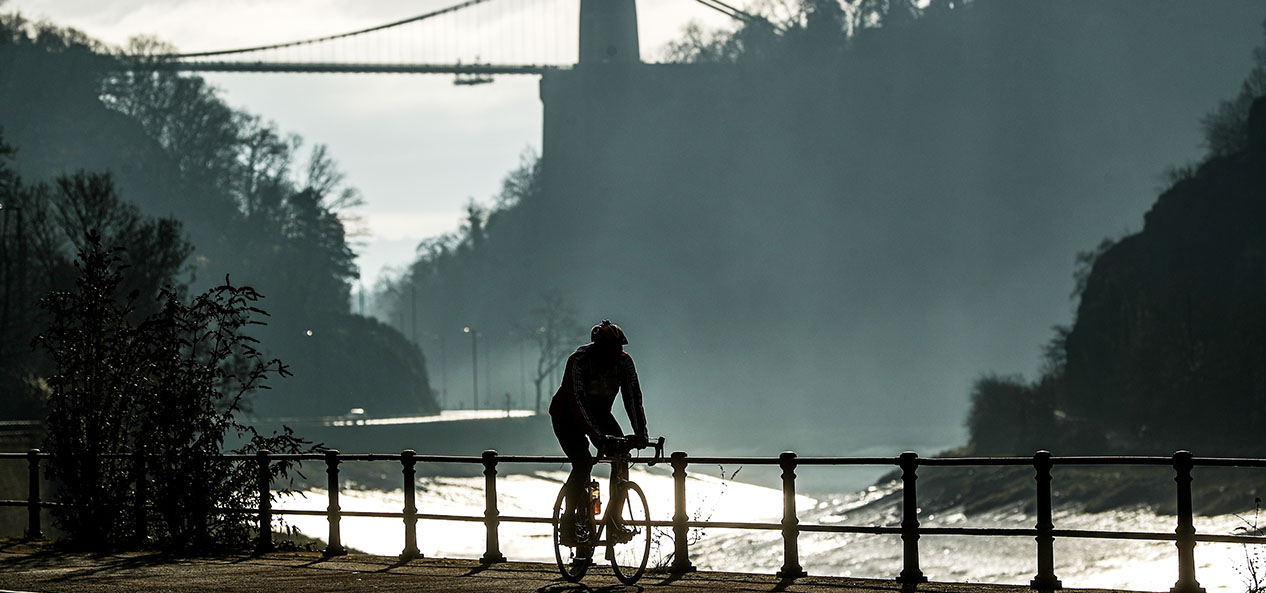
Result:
[{"x": 39, "y": 567}]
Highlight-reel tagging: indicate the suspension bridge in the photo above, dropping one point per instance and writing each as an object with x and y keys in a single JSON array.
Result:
[{"x": 473, "y": 39}]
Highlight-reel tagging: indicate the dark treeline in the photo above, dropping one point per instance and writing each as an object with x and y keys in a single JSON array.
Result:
[
  {"x": 834, "y": 219},
  {"x": 1167, "y": 345},
  {"x": 191, "y": 191}
]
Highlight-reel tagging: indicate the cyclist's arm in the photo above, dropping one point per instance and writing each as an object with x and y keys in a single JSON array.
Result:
[
  {"x": 577, "y": 369},
  {"x": 631, "y": 391}
]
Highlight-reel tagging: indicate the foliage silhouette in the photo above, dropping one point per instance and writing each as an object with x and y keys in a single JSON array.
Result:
[
  {"x": 138, "y": 410},
  {"x": 42, "y": 225},
  {"x": 93, "y": 399}
]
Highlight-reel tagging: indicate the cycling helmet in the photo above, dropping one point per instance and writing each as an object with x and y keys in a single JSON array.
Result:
[{"x": 607, "y": 333}]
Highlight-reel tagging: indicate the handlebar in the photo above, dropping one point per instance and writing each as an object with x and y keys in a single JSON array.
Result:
[{"x": 624, "y": 445}]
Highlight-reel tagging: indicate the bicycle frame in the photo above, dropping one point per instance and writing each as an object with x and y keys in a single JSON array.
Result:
[
  {"x": 620, "y": 461},
  {"x": 607, "y": 531}
]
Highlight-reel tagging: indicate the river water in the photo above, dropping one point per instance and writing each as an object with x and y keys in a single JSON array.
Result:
[{"x": 1148, "y": 566}]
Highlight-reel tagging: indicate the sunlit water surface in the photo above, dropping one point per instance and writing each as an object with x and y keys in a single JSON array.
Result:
[{"x": 1150, "y": 566}]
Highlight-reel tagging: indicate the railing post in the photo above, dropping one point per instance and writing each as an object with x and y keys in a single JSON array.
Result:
[
  {"x": 493, "y": 552},
  {"x": 410, "y": 507},
  {"x": 1186, "y": 529},
  {"x": 910, "y": 573},
  {"x": 263, "y": 482},
  {"x": 33, "y": 530},
  {"x": 335, "y": 547},
  {"x": 790, "y": 524},
  {"x": 142, "y": 494},
  {"x": 1045, "y": 579},
  {"x": 681, "y": 532}
]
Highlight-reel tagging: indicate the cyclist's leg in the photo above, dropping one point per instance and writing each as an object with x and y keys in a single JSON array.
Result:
[
  {"x": 576, "y": 447},
  {"x": 610, "y": 426}
]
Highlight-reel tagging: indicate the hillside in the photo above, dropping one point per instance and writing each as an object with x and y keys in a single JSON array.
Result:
[
  {"x": 1170, "y": 335},
  {"x": 256, "y": 209}
]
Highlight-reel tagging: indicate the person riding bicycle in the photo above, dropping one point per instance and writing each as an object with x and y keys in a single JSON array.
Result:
[{"x": 581, "y": 408}]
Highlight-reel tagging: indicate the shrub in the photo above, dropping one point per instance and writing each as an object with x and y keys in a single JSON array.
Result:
[{"x": 158, "y": 398}]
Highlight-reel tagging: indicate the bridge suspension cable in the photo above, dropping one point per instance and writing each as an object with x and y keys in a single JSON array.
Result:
[
  {"x": 242, "y": 50},
  {"x": 727, "y": 10},
  {"x": 471, "y": 38}
]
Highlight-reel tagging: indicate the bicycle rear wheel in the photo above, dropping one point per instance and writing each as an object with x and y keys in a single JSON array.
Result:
[
  {"x": 629, "y": 537},
  {"x": 573, "y": 560}
]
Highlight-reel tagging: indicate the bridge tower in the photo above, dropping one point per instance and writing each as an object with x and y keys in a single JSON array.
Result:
[{"x": 608, "y": 32}]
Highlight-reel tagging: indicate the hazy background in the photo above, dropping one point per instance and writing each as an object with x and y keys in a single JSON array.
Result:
[
  {"x": 815, "y": 248},
  {"x": 806, "y": 251}
]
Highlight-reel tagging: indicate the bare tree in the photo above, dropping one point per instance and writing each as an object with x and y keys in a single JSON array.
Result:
[{"x": 554, "y": 328}]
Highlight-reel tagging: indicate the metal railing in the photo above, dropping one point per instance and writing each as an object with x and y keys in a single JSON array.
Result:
[{"x": 1044, "y": 532}]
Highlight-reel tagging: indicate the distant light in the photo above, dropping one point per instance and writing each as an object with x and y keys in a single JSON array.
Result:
[
  {"x": 309, "y": 332},
  {"x": 465, "y": 330}
]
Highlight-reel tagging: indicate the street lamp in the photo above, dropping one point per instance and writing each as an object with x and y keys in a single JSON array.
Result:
[
  {"x": 413, "y": 307},
  {"x": 487, "y": 348},
  {"x": 443, "y": 368},
  {"x": 474, "y": 363},
  {"x": 522, "y": 370},
  {"x": 8, "y": 261}
]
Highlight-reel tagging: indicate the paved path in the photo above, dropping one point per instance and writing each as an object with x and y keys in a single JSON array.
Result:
[{"x": 39, "y": 568}]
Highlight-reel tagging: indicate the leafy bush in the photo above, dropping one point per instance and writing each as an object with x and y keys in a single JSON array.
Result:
[{"x": 148, "y": 405}]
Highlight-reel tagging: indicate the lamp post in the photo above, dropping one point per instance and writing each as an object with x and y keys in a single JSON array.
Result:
[
  {"x": 439, "y": 338},
  {"x": 443, "y": 370},
  {"x": 8, "y": 262},
  {"x": 488, "y": 371},
  {"x": 4, "y": 260},
  {"x": 522, "y": 370},
  {"x": 474, "y": 364},
  {"x": 413, "y": 308}
]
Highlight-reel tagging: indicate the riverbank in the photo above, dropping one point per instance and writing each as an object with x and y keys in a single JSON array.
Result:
[{"x": 1091, "y": 489}]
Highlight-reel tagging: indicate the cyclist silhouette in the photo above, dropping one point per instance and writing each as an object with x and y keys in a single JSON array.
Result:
[{"x": 582, "y": 405}]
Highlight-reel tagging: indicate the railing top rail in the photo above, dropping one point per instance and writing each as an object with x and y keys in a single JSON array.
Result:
[
  {"x": 713, "y": 459},
  {"x": 1114, "y": 460},
  {"x": 710, "y": 459},
  {"x": 1228, "y": 461}
]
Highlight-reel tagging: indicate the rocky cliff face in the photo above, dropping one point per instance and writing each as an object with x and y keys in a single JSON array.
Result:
[{"x": 1169, "y": 346}]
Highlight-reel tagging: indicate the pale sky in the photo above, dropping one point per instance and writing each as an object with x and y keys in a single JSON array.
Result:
[{"x": 416, "y": 146}]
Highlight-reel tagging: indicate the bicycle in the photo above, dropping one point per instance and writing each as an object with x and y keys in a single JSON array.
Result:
[{"x": 624, "y": 530}]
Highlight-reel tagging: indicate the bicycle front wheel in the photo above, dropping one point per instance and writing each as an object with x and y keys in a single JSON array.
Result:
[
  {"x": 629, "y": 536},
  {"x": 574, "y": 553}
]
